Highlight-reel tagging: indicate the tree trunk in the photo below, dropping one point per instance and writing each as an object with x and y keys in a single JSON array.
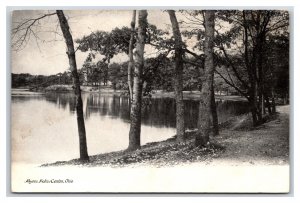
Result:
[
  {"x": 251, "y": 72},
  {"x": 254, "y": 88},
  {"x": 180, "y": 126},
  {"x": 273, "y": 95},
  {"x": 260, "y": 78},
  {"x": 268, "y": 105},
  {"x": 214, "y": 112},
  {"x": 202, "y": 135},
  {"x": 263, "y": 105},
  {"x": 273, "y": 104},
  {"x": 73, "y": 67},
  {"x": 130, "y": 54},
  {"x": 253, "y": 108},
  {"x": 135, "y": 111},
  {"x": 256, "y": 94}
]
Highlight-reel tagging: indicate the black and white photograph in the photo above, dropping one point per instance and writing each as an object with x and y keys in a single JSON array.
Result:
[{"x": 150, "y": 100}]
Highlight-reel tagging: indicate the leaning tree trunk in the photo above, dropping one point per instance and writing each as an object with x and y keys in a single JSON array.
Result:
[
  {"x": 130, "y": 54},
  {"x": 202, "y": 135},
  {"x": 135, "y": 111},
  {"x": 72, "y": 62},
  {"x": 180, "y": 128}
]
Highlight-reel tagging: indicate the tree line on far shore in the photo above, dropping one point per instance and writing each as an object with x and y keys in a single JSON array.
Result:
[{"x": 245, "y": 52}]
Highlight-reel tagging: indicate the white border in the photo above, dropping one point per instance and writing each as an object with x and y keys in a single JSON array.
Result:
[{"x": 146, "y": 3}]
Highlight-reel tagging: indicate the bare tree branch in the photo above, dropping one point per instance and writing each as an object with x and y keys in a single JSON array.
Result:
[{"x": 24, "y": 30}]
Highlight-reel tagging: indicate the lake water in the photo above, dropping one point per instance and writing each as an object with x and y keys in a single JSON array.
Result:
[{"x": 44, "y": 126}]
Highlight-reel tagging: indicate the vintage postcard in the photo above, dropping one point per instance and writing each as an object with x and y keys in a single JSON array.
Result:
[{"x": 150, "y": 101}]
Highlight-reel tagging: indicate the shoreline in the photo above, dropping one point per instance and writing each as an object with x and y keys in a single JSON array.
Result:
[
  {"x": 235, "y": 145},
  {"x": 192, "y": 95}
]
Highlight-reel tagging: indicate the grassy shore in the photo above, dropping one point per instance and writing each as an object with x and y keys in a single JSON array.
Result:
[{"x": 238, "y": 143}]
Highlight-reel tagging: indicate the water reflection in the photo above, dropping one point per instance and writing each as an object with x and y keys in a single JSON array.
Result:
[
  {"x": 107, "y": 105},
  {"x": 44, "y": 126},
  {"x": 158, "y": 112}
]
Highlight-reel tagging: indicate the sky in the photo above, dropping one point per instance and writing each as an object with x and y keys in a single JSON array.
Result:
[{"x": 45, "y": 54}]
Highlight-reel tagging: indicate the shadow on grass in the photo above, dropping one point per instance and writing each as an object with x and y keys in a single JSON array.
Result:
[{"x": 165, "y": 153}]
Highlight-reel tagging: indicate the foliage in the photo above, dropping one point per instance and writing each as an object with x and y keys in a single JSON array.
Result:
[
  {"x": 117, "y": 74},
  {"x": 277, "y": 64},
  {"x": 107, "y": 44},
  {"x": 25, "y": 80}
]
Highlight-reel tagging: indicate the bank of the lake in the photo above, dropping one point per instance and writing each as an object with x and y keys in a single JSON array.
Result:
[
  {"x": 267, "y": 144},
  {"x": 192, "y": 95}
]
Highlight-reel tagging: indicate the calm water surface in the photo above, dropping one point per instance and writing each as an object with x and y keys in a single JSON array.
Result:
[{"x": 44, "y": 126}]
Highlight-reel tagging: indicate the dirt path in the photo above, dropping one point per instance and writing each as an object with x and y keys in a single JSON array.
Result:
[{"x": 269, "y": 144}]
